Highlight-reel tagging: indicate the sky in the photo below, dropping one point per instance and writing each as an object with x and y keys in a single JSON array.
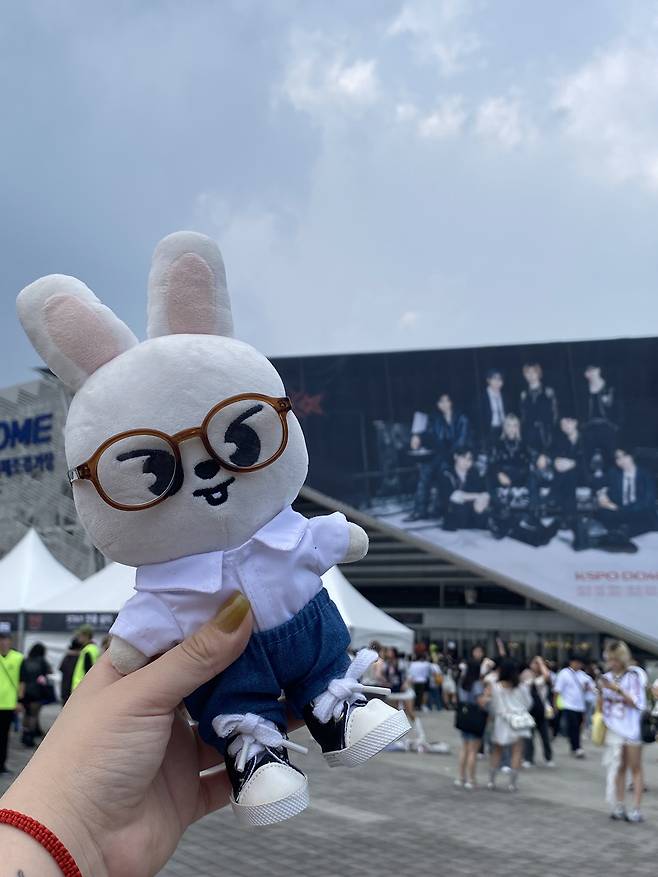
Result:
[{"x": 379, "y": 174}]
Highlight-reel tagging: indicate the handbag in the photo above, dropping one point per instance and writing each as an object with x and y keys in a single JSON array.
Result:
[
  {"x": 648, "y": 727},
  {"x": 471, "y": 719},
  {"x": 599, "y": 728},
  {"x": 519, "y": 720}
]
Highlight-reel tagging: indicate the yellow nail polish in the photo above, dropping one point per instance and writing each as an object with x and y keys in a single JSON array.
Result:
[{"x": 232, "y": 613}]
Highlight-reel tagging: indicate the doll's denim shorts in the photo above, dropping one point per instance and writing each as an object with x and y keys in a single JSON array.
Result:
[{"x": 299, "y": 657}]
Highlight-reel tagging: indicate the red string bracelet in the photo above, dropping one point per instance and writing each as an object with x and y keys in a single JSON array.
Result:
[{"x": 50, "y": 842}]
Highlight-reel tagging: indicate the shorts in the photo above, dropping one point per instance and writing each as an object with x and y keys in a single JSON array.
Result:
[
  {"x": 299, "y": 657},
  {"x": 614, "y": 739},
  {"x": 467, "y": 737}
]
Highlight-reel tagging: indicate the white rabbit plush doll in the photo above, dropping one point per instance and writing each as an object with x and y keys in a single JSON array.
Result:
[{"x": 185, "y": 456}]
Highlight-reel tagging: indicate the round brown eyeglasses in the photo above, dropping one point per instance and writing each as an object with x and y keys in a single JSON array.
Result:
[{"x": 140, "y": 468}]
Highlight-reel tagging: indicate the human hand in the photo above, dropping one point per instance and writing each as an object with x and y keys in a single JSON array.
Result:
[
  {"x": 481, "y": 502},
  {"x": 415, "y": 443},
  {"x": 504, "y": 480},
  {"x": 117, "y": 778}
]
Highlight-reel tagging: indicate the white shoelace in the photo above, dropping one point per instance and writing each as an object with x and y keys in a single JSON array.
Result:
[
  {"x": 347, "y": 688},
  {"x": 254, "y": 734}
]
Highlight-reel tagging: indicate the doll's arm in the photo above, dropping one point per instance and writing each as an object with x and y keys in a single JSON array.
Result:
[
  {"x": 145, "y": 627},
  {"x": 357, "y": 547},
  {"x": 125, "y": 658},
  {"x": 336, "y": 540}
]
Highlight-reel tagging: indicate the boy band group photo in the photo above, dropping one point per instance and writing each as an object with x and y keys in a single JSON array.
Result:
[{"x": 533, "y": 469}]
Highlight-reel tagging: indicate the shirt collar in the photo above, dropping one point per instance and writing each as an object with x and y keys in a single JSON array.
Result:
[
  {"x": 203, "y": 572},
  {"x": 284, "y": 532}
]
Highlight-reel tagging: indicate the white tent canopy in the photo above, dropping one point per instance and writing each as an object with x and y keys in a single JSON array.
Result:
[
  {"x": 29, "y": 574},
  {"x": 108, "y": 590},
  {"x": 104, "y": 591},
  {"x": 365, "y": 621}
]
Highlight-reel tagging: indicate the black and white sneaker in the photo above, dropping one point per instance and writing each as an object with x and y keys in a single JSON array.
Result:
[
  {"x": 360, "y": 731},
  {"x": 268, "y": 788}
]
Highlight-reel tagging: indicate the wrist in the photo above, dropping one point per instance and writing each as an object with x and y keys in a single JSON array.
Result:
[{"x": 62, "y": 819}]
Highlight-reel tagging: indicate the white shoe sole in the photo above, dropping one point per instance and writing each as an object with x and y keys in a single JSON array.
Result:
[
  {"x": 374, "y": 741},
  {"x": 251, "y": 815}
]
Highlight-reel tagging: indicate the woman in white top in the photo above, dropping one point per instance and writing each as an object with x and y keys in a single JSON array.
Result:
[
  {"x": 623, "y": 699},
  {"x": 512, "y": 722}
]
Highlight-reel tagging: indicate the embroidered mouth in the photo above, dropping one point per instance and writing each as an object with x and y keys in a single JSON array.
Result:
[{"x": 215, "y": 495}]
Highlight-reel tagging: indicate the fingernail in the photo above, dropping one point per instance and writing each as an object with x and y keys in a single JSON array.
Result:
[{"x": 232, "y": 613}]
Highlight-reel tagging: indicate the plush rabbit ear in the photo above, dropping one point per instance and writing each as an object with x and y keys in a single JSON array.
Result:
[
  {"x": 187, "y": 288},
  {"x": 69, "y": 327}
]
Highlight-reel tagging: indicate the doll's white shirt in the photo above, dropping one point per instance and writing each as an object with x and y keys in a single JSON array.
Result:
[{"x": 278, "y": 570}]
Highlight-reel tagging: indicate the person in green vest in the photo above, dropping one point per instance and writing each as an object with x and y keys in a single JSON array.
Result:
[
  {"x": 89, "y": 654},
  {"x": 10, "y": 672}
]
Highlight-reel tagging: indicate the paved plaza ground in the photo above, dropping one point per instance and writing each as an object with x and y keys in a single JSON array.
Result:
[{"x": 401, "y": 815}]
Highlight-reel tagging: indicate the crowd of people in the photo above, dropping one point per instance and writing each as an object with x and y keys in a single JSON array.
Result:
[
  {"x": 26, "y": 685},
  {"x": 503, "y": 707},
  {"x": 534, "y": 466}
]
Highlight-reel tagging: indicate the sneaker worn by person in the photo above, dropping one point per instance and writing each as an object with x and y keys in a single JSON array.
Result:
[
  {"x": 550, "y": 764},
  {"x": 349, "y": 729},
  {"x": 526, "y": 765},
  {"x": 267, "y": 788},
  {"x": 619, "y": 813},
  {"x": 459, "y": 783},
  {"x": 635, "y": 816},
  {"x": 579, "y": 753},
  {"x": 469, "y": 786}
]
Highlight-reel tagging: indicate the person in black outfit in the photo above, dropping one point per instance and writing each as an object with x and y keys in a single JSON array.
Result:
[
  {"x": 541, "y": 709},
  {"x": 509, "y": 463},
  {"x": 538, "y": 411},
  {"x": 446, "y": 429},
  {"x": 464, "y": 497},
  {"x": 602, "y": 419},
  {"x": 67, "y": 668},
  {"x": 34, "y": 677},
  {"x": 569, "y": 467},
  {"x": 494, "y": 408},
  {"x": 628, "y": 501}
]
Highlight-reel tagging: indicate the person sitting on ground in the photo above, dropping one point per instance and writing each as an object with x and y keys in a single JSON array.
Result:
[
  {"x": 464, "y": 497},
  {"x": 628, "y": 501}
]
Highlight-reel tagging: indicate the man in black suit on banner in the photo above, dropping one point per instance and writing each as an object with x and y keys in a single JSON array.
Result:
[
  {"x": 628, "y": 501},
  {"x": 494, "y": 407}
]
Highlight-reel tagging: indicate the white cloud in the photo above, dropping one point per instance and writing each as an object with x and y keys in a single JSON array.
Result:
[
  {"x": 501, "y": 120},
  {"x": 406, "y": 112},
  {"x": 447, "y": 120},
  {"x": 610, "y": 113},
  {"x": 319, "y": 77},
  {"x": 408, "y": 319},
  {"x": 439, "y": 32}
]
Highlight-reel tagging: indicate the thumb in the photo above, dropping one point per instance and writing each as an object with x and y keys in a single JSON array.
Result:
[{"x": 162, "y": 685}]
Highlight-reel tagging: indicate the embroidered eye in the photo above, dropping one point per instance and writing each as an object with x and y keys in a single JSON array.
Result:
[
  {"x": 157, "y": 462},
  {"x": 136, "y": 469},
  {"x": 245, "y": 433}
]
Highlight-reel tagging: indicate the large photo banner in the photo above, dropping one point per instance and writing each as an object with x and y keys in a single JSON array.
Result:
[{"x": 536, "y": 464}]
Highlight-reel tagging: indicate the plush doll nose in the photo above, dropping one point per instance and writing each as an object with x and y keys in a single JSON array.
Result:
[{"x": 207, "y": 469}]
